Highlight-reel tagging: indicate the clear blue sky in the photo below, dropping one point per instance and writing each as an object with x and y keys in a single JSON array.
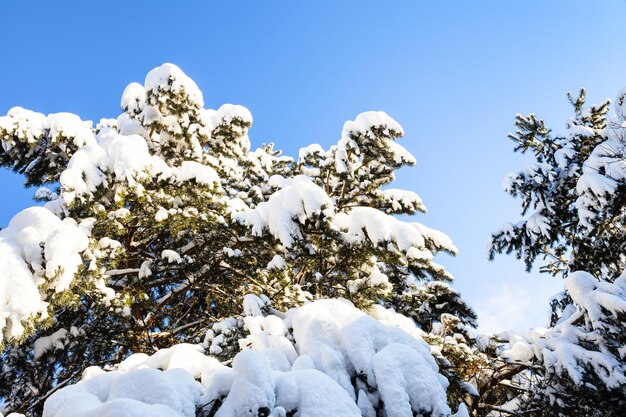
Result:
[{"x": 454, "y": 74}]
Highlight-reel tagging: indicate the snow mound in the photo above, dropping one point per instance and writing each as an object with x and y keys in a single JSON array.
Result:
[{"x": 324, "y": 359}]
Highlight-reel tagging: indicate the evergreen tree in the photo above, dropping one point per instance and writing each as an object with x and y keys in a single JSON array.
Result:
[
  {"x": 574, "y": 196},
  {"x": 174, "y": 220}
]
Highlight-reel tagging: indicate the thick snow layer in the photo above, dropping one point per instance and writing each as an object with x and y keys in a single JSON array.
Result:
[
  {"x": 341, "y": 341},
  {"x": 313, "y": 394},
  {"x": 36, "y": 248},
  {"x": 304, "y": 364},
  {"x": 405, "y": 387},
  {"x": 143, "y": 392}
]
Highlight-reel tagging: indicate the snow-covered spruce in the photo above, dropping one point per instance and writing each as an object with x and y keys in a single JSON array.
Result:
[
  {"x": 326, "y": 358},
  {"x": 180, "y": 217}
]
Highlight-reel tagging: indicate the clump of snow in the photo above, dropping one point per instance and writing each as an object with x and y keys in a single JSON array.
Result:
[
  {"x": 46, "y": 343},
  {"x": 171, "y": 256},
  {"x": 229, "y": 112},
  {"x": 36, "y": 248},
  {"x": 202, "y": 174},
  {"x": 68, "y": 125},
  {"x": 309, "y": 151},
  {"x": 368, "y": 223},
  {"x": 252, "y": 389},
  {"x": 400, "y": 200},
  {"x": 405, "y": 387},
  {"x": 596, "y": 298},
  {"x": 298, "y": 199},
  {"x": 538, "y": 225},
  {"x": 375, "y": 278},
  {"x": 371, "y": 133},
  {"x": 277, "y": 262},
  {"x": 253, "y": 305},
  {"x": 312, "y": 394},
  {"x": 123, "y": 156},
  {"x": 25, "y": 124}
]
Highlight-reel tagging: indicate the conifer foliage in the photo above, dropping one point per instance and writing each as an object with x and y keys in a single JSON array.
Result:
[{"x": 158, "y": 223}]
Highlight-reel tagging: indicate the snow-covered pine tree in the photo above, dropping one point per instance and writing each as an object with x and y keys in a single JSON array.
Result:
[
  {"x": 575, "y": 198},
  {"x": 159, "y": 222}
]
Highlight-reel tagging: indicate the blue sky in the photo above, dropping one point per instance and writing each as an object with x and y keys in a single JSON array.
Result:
[{"x": 454, "y": 74}]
